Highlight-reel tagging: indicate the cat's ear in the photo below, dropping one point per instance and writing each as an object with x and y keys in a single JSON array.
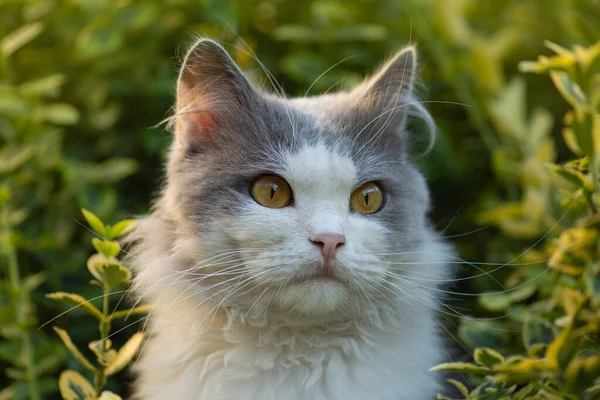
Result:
[
  {"x": 386, "y": 93},
  {"x": 211, "y": 92}
]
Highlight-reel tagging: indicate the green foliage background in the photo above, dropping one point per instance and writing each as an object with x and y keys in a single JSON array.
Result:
[{"x": 83, "y": 83}]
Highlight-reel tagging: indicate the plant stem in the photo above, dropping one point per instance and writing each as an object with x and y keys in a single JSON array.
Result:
[
  {"x": 15, "y": 280},
  {"x": 100, "y": 378}
]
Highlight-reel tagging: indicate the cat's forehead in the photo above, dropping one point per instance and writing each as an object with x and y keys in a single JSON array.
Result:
[{"x": 317, "y": 167}]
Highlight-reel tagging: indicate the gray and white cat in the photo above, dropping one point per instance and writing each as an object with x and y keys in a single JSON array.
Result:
[{"x": 289, "y": 255}]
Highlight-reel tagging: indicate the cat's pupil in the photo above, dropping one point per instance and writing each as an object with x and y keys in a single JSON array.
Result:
[
  {"x": 367, "y": 198},
  {"x": 273, "y": 189}
]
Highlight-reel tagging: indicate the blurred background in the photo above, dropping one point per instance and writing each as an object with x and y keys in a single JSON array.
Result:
[{"x": 84, "y": 82}]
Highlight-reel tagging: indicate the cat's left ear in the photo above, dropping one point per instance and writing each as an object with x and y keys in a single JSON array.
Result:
[
  {"x": 212, "y": 92},
  {"x": 386, "y": 93}
]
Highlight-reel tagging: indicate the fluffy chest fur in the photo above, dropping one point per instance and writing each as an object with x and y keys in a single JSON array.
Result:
[{"x": 196, "y": 354}]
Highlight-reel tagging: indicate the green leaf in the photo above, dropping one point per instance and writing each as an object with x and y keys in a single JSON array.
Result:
[
  {"x": 48, "y": 86},
  {"x": 13, "y": 157},
  {"x": 125, "y": 354},
  {"x": 73, "y": 386},
  {"x": 560, "y": 352},
  {"x": 583, "y": 371},
  {"x": 32, "y": 282},
  {"x": 73, "y": 349},
  {"x": 107, "y": 248},
  {"x": 108, "y": 271},
  {"x": 491, "y": 334},
  {"x": 121, "y": 228},
  {"x": 466, "y": 368},
  {"x": 77, "y": 301},
  {"x": 134, "y": 311},
  {"x": 20, "y": 37},
  {"x": 461, "y": 388},
  {"x": 487, "y": 357},
  {"x": 94, "y": 222},
  {"x": 58, "y": 113},
  {"x": 574, "y": 177},
  {"x": 537, "y": 331},
  {"x": 569, "y": 90},
  {"x": 592, "y": 283}
]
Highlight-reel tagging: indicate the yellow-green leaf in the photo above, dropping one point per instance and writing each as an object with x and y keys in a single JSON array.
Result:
[
  {"x": 461, "y": 388},
  {"x": 121, "y": 228},
  {"x": 560, "y": 352},
  {"x": 461, "y": 367},
  {"x": 77, "y": 301},
  {"x": 108, "y": 271},
  {"x": 583, "y": 371},
  {"x": 569, "y": 90},
  {"x": 64, "y": 336},
  {"x": 487, "y": 357},
  {"x": 146, "y": 308},
  {"x": 94, "y": 222},
  {"x": 73, "y": 386},
  {"x": 20, "y": 37},
  {"x": 125, "y": 354},
  {"x": 107, "y": 248},
  {"x": 576, "y": 178}
]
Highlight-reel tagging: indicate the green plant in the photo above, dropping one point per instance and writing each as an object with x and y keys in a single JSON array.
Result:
[
  {"x": 30, "y": 354},
  {"x": 109, "y": 274},
  {"x": 560, "y": 324}
]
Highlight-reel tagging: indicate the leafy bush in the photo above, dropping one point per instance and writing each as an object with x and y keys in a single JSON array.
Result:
[
  {"x": 560, "y": 357},
  {"x": 109, "y": 274}
]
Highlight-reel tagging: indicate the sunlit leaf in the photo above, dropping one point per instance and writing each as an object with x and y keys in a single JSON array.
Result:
[
  {"x": 94, "y": 222},
  {"x": 77, "y": 301},
  {"x": 73, "y": 386},
  {"x": 107, "y": 248},
  {"x": 125, "y": 354},
  {"x": 73, "y": 349},
  {"x": 20, "y": 37},
  {"x": 121, "y": 228},
  {"x": 487, "y": 357},
  {"x": 108, "y": 271},
  {"x": 134, "y": 311},
  {"x": 466, "y": 368}
]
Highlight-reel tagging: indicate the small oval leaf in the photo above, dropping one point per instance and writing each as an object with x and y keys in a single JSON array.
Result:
[
  {"x": 94, "y": 222},
  {"x": 73, "y": 386}
]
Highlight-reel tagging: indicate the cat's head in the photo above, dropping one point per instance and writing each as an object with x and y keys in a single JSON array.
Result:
[{"x": 308, "y": 205}]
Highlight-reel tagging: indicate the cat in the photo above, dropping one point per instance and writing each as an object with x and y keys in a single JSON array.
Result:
[{"x": 289, "y": 255}]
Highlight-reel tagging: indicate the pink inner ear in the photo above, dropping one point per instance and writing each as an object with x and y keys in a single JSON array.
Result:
[{"x": 197, "y": 126}]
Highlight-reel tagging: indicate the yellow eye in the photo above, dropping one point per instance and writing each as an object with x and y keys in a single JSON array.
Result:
[
  {"x": 367, "y": 199},
  {"x": 272, "y": 191}
]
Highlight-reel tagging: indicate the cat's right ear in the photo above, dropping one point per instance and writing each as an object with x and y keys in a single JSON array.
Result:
[{"x": 211, "y": 91}]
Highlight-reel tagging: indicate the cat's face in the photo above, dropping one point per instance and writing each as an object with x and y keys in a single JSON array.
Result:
[{"x": 292, "y": 205}]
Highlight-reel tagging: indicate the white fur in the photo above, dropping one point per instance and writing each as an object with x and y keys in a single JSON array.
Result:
[{"x": 297, "y": 341}]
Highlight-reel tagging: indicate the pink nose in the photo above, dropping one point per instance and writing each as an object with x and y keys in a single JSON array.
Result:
[{"x": 328, "y": 244}]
